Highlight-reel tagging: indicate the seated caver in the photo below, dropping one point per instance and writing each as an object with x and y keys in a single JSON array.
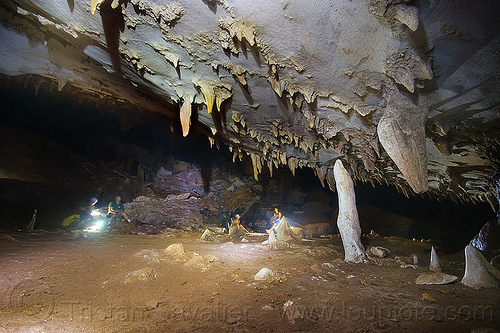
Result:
[
  {"x": 83, "y": 213},
  {"x": 116, "y": 211},
  {"x": 275, "y": 220},
  {"x": 236, "y": 229}
]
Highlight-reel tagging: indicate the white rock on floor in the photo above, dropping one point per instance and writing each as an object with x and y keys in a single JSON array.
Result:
[
  {"x": 265, "y": 274},
  {"x": 378, "y": 251}
]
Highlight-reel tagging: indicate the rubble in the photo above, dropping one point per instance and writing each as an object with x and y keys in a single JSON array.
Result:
[
  {"x": 143, "y": 274},
  {"x": 378, "y": 251}
]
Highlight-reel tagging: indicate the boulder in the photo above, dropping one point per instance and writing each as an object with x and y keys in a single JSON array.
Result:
[
  {"x": 317, "y": 229},
  {"x": 237, "y": 183},
  {"x": 384, "y": 222},
  {"x": 295, "y": 197},
  {"x": 176, "y": 251},
  {"x": 319, "y": 195},
  {"x": 180, "y": 166},
  {"x": 241, "y": 198},
  {"x": 265, "y": 274},
  {"x": 316, "y": 207},
  {"x": 488, "y": 240},
  {"x": 162, "y": 172}
]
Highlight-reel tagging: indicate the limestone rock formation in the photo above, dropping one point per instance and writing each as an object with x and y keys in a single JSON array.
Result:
[
  {"x": 435, "y": 276},
  {"x": 284, "y": 233},
  {"x": 477, "y": 270},
  {"x": 405, "y": 93},
  {"x": 435, "y": 264},
  {"x": 347, "y": 220},
  {"x": 488, "y": 239}
]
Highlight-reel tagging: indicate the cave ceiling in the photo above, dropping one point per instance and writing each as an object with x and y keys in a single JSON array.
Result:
[{"x": 404, "y": 92}]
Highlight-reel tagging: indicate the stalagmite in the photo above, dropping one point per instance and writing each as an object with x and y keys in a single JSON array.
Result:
[
  {"x": 186, "y": 116},
  {"x": 348, "y": 221},
  {"x": 477, "y": 269},
  {"x": 435, "y": 264},
  {"x": 436, "y": 276}
]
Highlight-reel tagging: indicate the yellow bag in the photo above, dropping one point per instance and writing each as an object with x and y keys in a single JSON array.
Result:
[{"x": 69, "y": 220}]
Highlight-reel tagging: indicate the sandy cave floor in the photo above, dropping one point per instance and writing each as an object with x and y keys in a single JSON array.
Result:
[{"x": 109, "y": 282}]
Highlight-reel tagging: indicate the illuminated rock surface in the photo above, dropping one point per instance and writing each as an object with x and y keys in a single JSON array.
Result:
[{"x": 402, "y": 94}]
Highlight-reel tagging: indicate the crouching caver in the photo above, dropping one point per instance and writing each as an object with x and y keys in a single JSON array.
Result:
[
  {"x": 236, "y": 230},
  {"x": 116, "y": 211}
]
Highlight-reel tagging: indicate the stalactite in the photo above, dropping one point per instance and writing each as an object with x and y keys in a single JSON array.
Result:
[
  {"x": 257, "y": 165},
  {"x": 270, "y": 166},
  {"x": 292, "y": 164},
  {"x": 321, "y": 173},
  {"x": 185, "y": 115}
]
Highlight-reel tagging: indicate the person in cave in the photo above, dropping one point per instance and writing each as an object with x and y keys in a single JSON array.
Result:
[
  {"x": 224, "y": 221},
  {"x": 275, "y": 220},
  {"x": 87, "y": 207},
  {"x": 116, "y": 211},
  {"x": 84, "y": 213},
  {"x": 237, "y": 229}
]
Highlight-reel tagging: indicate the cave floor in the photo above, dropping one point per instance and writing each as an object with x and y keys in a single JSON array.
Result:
[{"x": 55, "y": 282}]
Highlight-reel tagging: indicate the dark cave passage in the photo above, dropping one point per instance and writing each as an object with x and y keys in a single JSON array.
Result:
[{"x": 100, "y": 138}]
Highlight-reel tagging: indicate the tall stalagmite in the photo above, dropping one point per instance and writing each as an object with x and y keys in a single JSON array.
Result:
[{"x": 348, "y": 221}]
